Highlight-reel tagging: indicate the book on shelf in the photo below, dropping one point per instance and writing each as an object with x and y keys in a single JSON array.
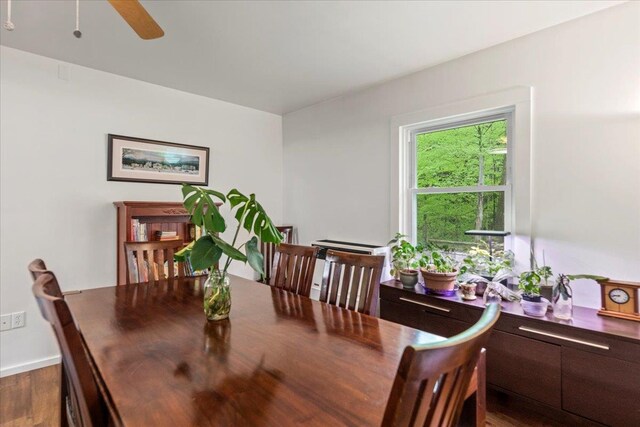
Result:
[
  {"x": 166, "y": 235},
  {"x": 195, "y": 232},
  {"x": 138, "y": 231}
]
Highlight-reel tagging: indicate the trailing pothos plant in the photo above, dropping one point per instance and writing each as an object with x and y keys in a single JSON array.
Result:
[{"x": 207, "y": 251}]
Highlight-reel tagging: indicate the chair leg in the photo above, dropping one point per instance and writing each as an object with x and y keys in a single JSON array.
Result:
[
  {"x": 64, "y": 393},
  {"x": 474, "y": 411},
  {"x": 481, "y": 393}
]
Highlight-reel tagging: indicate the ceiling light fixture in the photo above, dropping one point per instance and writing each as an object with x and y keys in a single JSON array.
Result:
[
  {"x": 77, "y": 32},
  {"x": 8, "y": 25}
]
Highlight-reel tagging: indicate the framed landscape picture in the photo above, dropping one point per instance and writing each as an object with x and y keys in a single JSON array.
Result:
[{"x": 145, "y": 160}]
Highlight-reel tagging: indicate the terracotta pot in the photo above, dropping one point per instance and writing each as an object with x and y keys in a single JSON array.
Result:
[{"x": 439, "y": 282}]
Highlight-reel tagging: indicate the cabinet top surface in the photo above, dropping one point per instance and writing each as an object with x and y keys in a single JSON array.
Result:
[
  {"x": 142, "y": 204},
  {"x": 583, "y": 317}
]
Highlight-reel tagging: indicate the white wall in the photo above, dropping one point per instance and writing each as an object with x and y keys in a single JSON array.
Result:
[
  {"x": 55, "y": 200},
  {"x": 585, "y": 76}
]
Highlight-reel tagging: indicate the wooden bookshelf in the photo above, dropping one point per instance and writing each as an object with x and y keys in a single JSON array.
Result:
[{"x": 158, "y": 216}]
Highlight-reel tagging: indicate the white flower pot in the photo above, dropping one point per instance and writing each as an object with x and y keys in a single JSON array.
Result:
[{"x": 536, "y": 309}]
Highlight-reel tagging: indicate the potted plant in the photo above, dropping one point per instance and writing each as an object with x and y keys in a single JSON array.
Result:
[
  {"x": 546, "y": 274},
  {"x": 207, "y": 251},
  {"x": 409, "y": 277},
  {"x": 403, "y": 254},
  {"x": 478, "y": 263},
  {"x": 405, "y": 260},
  {"x": 439, "y": 274},
  {"x": 532, "y": 303}
]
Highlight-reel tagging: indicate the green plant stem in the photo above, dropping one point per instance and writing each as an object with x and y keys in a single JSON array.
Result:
[{"x": 235, "y": 237}]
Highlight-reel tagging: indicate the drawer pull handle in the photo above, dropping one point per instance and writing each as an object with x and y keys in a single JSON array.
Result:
[
  {"x": 563, "y": 337},
  {"x": 435, "y": 307}
]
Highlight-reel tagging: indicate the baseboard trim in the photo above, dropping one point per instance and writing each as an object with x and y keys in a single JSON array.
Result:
[{"x": 29, "y": 366}]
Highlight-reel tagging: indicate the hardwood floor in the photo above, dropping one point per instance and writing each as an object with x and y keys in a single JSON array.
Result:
[
  {"x": 503, "y": 411},
  {"x": 32, "y": 399}
]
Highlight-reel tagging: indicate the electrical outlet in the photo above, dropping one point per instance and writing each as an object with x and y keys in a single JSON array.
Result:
[
  {"x": 17, "y": 319},
  {"x": 5, "y": 322}
]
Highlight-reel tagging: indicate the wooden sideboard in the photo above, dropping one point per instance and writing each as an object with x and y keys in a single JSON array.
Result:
[{"x": 586, "y": 371}]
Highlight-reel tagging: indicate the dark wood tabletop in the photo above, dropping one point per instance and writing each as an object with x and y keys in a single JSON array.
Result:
[{"x": 280, "y": 359}]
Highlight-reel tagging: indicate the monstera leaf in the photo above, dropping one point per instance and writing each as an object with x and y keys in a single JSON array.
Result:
[
  {"x": 183, "y": 254},
  {"x": 208, "y": 249},
  {"x": 253, "y": 217},
  {"x": 205, "y": 253},
  {"x": 203, "y": 210},
  {"x": 255, "y": 258}
]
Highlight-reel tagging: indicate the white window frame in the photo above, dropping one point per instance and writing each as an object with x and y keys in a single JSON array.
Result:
[
  {"x": 518, "y": 100},
  {"x": 412, "y": 188}
]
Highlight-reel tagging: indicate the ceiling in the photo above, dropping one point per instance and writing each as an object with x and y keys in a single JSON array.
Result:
[{"x": 279, "y": 56}]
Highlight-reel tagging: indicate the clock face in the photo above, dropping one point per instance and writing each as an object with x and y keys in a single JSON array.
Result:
[{"x": 619, "y": 296}]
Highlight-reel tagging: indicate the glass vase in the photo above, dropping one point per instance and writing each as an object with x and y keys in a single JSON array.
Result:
[
  {"x": 563, "y": 303},
  {"x": 217, "y": 296}
]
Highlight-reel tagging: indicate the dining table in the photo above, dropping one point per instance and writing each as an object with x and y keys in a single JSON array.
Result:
[{"x": 280, "y": 359}]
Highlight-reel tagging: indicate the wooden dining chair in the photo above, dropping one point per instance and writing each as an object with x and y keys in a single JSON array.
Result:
[
  {"x": 293, "y": 267},
  {"x": 268, "y": 251},
  {"x": 432, "y": 379},
  {"x": 146, "y": 260},
  {"x": 352, "y": 281},
  {"x": 37, "y": 268},
  {"x": 84, "y": 405}
]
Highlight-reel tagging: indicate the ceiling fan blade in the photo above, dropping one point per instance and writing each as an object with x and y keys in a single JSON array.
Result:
[{"x": 138, "y": 18}]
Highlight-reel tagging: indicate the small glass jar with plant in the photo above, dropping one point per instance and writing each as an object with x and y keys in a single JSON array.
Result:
[
  {"x": 563, "y": 294},
  {"x": 207, "y": 251}
]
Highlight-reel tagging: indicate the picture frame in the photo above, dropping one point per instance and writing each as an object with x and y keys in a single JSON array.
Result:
[{"x": 146, "y": 160}]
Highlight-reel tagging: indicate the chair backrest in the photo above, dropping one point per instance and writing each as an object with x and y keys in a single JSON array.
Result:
[
  {"x": 37, "y": 268},
  {"x": 87, "y": 405},
  {"x": 146, "y": 260},
  {"x": 268, "y": 251},
  {"x": 352, "y": 280},
  {"x": 293, "y": 268},
  {"x": 431, "y": 382}
]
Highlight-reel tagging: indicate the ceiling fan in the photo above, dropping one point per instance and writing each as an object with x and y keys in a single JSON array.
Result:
[
  {"x": 138, "y": 18},
  {"x": 131, "y": 11}
]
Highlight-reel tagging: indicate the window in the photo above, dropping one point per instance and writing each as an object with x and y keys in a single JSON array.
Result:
[{"x": 459, "y": 180}]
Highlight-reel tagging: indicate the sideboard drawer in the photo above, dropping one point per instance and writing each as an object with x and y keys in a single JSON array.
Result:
[
  {"x": 416, "y": 317},
  {"x": 442, "y": 325},
  {"x": 398, "y": 313},
  {"x": 440, "y": 306},
  {"x": 601, "y": 388},
  {"x": 525, "y": 366},
  {"x": 569, "y": 337}
]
